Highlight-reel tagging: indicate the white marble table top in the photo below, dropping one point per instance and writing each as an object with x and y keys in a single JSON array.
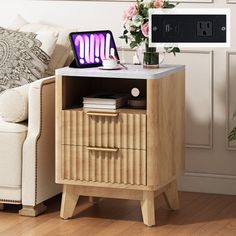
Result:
[{"x": 133, "y": 72}]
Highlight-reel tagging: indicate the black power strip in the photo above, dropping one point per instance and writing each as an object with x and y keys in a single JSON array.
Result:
[{"x": 188, "y": 28}]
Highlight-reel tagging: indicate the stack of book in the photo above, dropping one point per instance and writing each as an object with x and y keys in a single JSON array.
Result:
[{"x": 107, "y": 101}]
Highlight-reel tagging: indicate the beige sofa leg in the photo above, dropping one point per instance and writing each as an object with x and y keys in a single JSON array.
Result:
[
  {"x": 33, "y": 210},
  {"x": 1, "y": 206}
]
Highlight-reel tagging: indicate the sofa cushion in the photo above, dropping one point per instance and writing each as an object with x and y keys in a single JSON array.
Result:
[
  {"x": 63, "y": 48},
  {"x": 24, "y": 57},
  {"x": 12, "y": 137},
  {"x": 14, "y": 104},
  {"x": 6, "y": 127},
  {"x": 17, "y": 23}
]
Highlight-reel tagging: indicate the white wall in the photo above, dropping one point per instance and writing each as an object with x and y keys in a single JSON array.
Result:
[
  {"x": 210, "y": 159},
  {"x": 79, "y": 15}
]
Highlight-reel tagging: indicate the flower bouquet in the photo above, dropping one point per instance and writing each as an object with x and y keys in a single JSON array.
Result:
[{"x": 136, "y": 29}]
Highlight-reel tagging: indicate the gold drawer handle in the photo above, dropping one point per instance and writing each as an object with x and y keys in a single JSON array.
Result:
[
  {"x": 90, "y": 113},
  {"x": 103, "y": 149}
]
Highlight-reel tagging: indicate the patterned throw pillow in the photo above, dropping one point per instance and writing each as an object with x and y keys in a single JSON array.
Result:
[
  {"x": 62, "y": 55},
  {"x": 24, "y": 57}
]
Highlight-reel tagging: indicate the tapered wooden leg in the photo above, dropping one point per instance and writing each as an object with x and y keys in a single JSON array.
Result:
[
  {"x": 171, "y": 196},
  {"x": 1, "y": 206},
  {"x": 33, "y": 210},
  {"x": 94, "y": 200},
  {"x": 148, "y": 208},
  {"x": 69, "y": 201}
]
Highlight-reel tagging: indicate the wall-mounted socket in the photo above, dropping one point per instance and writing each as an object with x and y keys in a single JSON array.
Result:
[
  {"x": 205, "y": 28},
  {"x": 189, "y": 27}
]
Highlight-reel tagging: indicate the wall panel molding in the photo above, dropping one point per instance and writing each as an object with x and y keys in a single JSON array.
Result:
[
  {"x": 207, "y": 183},
  {"x": 231, "y": 1},
  {"x": 211, "y": 92},
  {"x": 209, "y": 145},
  {"x": 228, "y": 92}
]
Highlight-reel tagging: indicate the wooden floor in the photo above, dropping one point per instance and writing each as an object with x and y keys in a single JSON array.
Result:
[{"x": 200, "y": 214}]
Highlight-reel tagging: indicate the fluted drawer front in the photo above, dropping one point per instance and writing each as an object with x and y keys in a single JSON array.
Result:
[
  {"x": 124, "y": 166},
  {"x": 126, "y": 130}
]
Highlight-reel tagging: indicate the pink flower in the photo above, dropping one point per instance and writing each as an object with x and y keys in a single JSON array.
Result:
[
  {"x": 125, "y": 17},
  {"x": 132, "y": 11},
  {"x": 158, "y": 4},
  {"x": 145, "y": 29}
]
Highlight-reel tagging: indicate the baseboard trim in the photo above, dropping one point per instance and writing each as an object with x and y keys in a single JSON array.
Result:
[{"x": 207, "y": 183}]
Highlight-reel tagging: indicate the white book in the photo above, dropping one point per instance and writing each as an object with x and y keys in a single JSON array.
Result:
[
  {"x": 100, "y": 106},
  {"x": 119, "y": 103},
  {"x": 106, "y": 98}
]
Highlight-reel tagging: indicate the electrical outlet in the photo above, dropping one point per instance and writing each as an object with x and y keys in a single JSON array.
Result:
[
  {"x": 189, "y": 27},
  {"x": 204, "y": 28}
]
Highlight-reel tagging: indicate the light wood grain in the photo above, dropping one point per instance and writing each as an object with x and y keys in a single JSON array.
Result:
[
  {"x": 165, "y": 128},
  {"x": 130, "y": 154},
  {"x": 95, "y": 200},
  {"x": 69, "y": 200},
  {"x": 171, "y": 196},
  {"x": 58, "y": 132},
  {"x": 148, "y": 208},
  {"x": 146, "y": 198},
  {"x": 107, "y": 185},
  {"x": 103, "y": 192},
  {"x": 123, "y": 166},
  {"x": 127, "y": 130},
  {"x": 200, "y": 215}
]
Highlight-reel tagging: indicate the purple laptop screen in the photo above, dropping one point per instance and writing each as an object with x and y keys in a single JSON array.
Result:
[{"x": 92, "y": 48}]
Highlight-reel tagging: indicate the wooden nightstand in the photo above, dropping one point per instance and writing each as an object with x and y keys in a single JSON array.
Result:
[{"x": 130, "y": 154}]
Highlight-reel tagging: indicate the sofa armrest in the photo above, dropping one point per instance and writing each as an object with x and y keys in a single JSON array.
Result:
[{"x": 38, "y": 164}]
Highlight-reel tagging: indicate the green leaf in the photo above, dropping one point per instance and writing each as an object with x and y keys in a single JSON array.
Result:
[
  {"x": 176, "y": 50},
  {"x": 125, "y": 37},
  {"x": 145, "y": 12},
  {"x": 138, "y": 37},
  {"x": 232, "y": 135},
  {"x": 133, "y": 44},
  {"x": 234, "y": 114},
  {"x": 166, "y": 4},
  {"x": 172, "y": 50}
]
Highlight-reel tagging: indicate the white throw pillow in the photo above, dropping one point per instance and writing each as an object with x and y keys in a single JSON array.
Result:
[
  {"x": 17, "y": 23},
  {"x": 62, "y": 49},
  {"x": 24, "y": 57},
  {"x": 14, "y": 104}
]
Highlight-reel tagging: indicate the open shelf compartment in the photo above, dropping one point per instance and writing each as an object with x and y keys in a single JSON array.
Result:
[{"x": 74, "y": 89}]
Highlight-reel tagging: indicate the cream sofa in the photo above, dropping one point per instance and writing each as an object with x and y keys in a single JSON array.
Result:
[{"x": 27, "y": 153}]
